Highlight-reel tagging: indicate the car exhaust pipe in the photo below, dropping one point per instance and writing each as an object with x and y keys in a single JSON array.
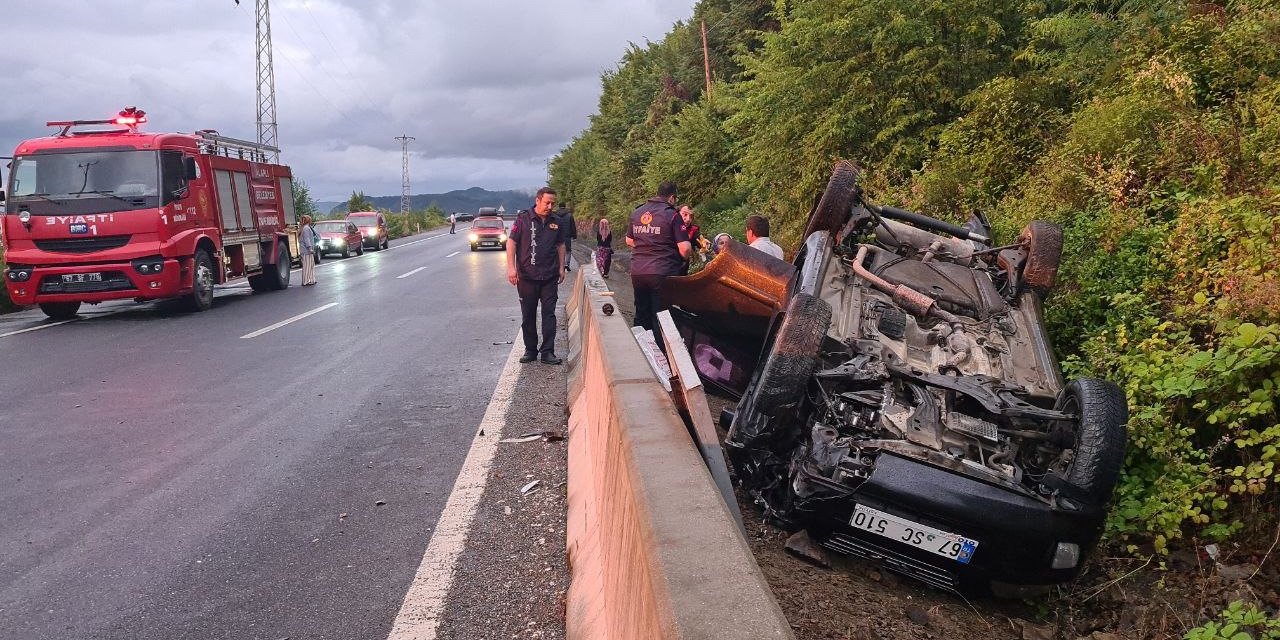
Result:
[{"x": 914, "y": 302}]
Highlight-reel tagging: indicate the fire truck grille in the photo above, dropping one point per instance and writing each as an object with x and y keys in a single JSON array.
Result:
[
  {"x": 111, "y": 281},
  {"x": 83, "y": 245}
]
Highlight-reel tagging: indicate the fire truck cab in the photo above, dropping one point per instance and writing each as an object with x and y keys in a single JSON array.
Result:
[{"x": 95, "y": 214}]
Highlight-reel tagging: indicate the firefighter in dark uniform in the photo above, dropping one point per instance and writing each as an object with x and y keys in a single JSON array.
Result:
[
  {"x": 535, "y": 265},
  {"x": 659, "y": 247}
]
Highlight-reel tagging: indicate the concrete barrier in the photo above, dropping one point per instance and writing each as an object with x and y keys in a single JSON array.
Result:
[{"x": 653, "y": 550}]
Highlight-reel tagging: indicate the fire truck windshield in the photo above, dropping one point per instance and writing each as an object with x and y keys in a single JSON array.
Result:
[{"x": 79, "y": 181}]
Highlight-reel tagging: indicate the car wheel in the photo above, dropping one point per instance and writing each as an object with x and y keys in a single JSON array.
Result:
[
  {"x": 360, "y": 249},
  {"x": 473, "y": 247},
  {"x": 346, "y": 251},
  {"x": 1100, "y": 436},
  {"x": 60, "y": 310},
  {"x": 1043, "y": 242},
  {"x": 386, "y": 244},
  {"x": 793, "y": 355},
  {"x": 834, "y": 208},
  {"x": 201, "y": 296},
  {"x": 318, "y": 254}
]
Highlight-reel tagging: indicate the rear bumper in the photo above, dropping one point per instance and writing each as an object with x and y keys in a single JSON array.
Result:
[
  {"x": 1017, "y": 535},
  {"x": 118, "y": 281}
]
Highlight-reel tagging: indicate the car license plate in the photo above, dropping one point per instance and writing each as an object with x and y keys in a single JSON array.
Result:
[
  {"x": 96, "y": 276},
  {"x": 947, "y": 545},
  {"x": 80, "y": 227}
]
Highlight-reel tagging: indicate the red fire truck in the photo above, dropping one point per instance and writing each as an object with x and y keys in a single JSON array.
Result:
[{"x": 98, "y": 213}]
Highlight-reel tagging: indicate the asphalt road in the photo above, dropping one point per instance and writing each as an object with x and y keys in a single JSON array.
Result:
[{"x": 172, "y": 475}]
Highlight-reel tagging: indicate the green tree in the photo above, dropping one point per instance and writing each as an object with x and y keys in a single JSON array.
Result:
[
  {"x": 359, "y": 202},
  {"x": 303, "y": 204}
]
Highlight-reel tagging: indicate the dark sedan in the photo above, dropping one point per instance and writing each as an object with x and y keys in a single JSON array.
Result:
[{"x": 899, "y": 396}]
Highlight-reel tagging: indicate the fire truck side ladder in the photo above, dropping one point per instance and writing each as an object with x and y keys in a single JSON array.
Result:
[{"x": 218, "y": 145}]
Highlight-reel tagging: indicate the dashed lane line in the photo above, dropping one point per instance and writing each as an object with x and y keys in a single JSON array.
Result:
[
  {"x": 453, "y": 254},
  {"x": 37, "y": 328},
  {"x": 406, "y": 275},
  {"x": 423, "y": 607},
  {"x": 287, "y": 321}
]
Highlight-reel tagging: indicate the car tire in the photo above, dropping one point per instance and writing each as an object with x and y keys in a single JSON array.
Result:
[
  {"x": 473, "y": 247},
  {"x": 346, "y": 251},
  {"x": 1100, "y": 435},
  {"x": 793, "y": 354},
  {"x": 202, "y": 279},
  {"x": 837, "y": 200},
  {"x": 360, "y": 249},
  {"x": 60, "y": 310},
  {"x": 1043, "y": 242},
  {"x": 386, "y": 244}
]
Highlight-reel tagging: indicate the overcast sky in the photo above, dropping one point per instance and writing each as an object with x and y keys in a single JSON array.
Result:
[{"x": 491, "y": 89}]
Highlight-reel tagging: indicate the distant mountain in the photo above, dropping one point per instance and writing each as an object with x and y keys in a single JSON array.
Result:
[{"x": 462, "y": 200}]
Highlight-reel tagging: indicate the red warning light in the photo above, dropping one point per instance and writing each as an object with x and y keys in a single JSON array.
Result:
[{"x": 131, "y": 117}]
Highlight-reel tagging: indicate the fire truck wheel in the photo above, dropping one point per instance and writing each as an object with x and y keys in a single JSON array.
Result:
[
  {"x": 201, "y": 296},
  {"x": 279, "y": 278},
  {"x": 60, "y": 310}
]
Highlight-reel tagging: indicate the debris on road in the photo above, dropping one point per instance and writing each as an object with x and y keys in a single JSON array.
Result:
[
  {"x": 530, "y": 487},
  {"x": 380, "y": 503},
  {"x": 803, "y": 546},
  {"x": 545, "y": 436}
]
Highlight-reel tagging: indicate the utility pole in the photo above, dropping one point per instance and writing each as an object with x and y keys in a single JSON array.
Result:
[
  {"x": 404, "y": 171},
  {"x": 266, "y": 81},
  {"x": 706, "y": 59}
]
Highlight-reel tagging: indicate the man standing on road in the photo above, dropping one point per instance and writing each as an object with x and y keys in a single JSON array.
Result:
[
  {"x": 453, "y": 221},
  {"x": 535, "y": 265},
  {"x": 659, "y": 248},
  {"x": 758, "y": 236},
  {"x": 571, "y": 231}
]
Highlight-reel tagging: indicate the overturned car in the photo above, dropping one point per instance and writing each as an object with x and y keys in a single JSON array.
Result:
[{"x": 899, "y": 398}]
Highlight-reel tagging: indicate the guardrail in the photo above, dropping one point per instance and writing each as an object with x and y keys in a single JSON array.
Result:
[{"x": 654, "y": 552}]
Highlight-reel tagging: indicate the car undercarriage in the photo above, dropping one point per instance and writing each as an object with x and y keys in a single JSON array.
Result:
[{"x": 902, "y": 388}]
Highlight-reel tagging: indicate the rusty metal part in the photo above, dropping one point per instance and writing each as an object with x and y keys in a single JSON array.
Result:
[
  {"x": 740, "y": 290},
  {"x": 912, "y": 301}
]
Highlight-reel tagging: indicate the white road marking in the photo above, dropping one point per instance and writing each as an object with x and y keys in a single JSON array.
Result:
[
  {"x": 423, "y": 607},
  {"x": 43, "y": 326},
  {"x": 415, "y": 241},
  {"x": 453, "y": 254},
  {"x": 406, "y": 275},
  {"x": 287, "y": 321}
]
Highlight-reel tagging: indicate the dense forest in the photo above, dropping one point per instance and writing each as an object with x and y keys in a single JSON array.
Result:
[{"x": 1148, "y": 129}]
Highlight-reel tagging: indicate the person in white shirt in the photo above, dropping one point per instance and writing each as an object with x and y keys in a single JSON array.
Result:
[{"x": 758, "y": 236}]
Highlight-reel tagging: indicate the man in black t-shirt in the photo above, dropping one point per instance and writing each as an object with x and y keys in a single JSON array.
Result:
[
  {"x": 659, "y": 247},
  {"x": 535, "y": 265}
]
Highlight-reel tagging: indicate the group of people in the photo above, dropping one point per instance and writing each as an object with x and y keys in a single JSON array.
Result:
[{"x": 663, "y": 241}]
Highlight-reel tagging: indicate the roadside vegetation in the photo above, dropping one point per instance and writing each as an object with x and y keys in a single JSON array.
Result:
[{"x": 1148, "y": 129}]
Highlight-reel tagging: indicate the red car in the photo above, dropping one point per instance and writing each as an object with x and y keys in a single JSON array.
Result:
[
  {"x": 339, "y": 236},
  {"x": 372, "y": 226},
  {"x": 488, "y": 232}
]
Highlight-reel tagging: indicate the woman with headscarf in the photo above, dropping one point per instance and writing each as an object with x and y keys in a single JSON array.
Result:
[
  {"x": 604, "y": 246},
  {"x": 307, "y": 240}
]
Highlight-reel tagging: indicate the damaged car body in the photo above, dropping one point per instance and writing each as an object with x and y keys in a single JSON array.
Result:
[{"x": 906, "y": 405}]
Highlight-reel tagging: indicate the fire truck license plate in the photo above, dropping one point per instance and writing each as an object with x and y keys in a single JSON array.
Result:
[
  {"x": 82, "y": 277},
  {"x": 80, "y": 227}
]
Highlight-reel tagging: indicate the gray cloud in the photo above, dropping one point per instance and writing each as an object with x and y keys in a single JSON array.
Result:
[{"x": 491, "y": 89}]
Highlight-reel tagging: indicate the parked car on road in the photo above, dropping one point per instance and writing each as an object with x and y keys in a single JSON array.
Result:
[
  {"x": 339, "y": 236},
  {"x": 462, "y": 216},
  {"x": 899, "y": 397},
  {"x": 373, "y": 227},
  {"x": 489, "y": 232}
]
